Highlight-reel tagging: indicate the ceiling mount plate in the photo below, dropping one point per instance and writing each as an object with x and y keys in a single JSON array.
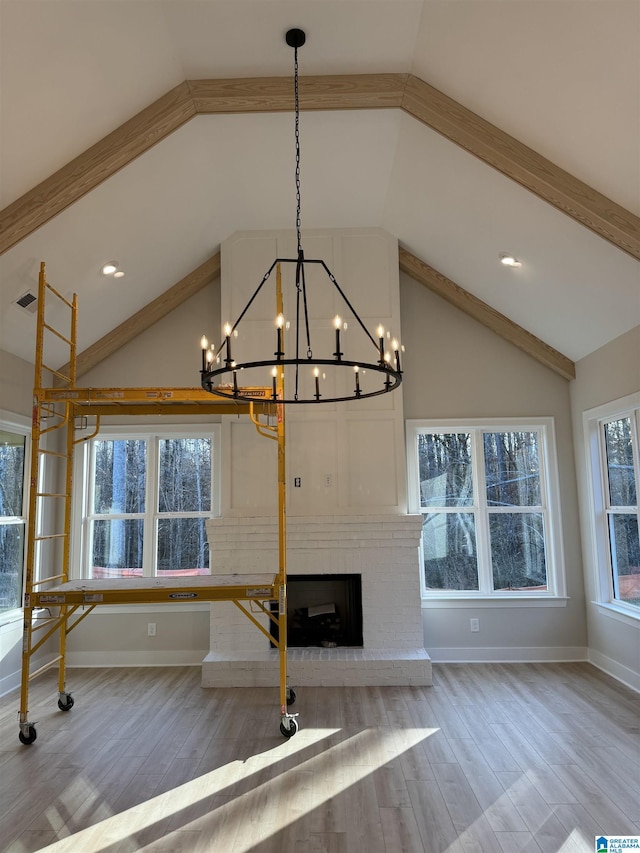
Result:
[{"x": 296, "y": 38}]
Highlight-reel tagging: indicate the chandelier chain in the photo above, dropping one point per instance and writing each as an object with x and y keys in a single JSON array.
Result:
[{"x": 297, "y": 138}]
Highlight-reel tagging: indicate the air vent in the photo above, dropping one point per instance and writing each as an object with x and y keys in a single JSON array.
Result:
[{"x": 28, "y": 302}]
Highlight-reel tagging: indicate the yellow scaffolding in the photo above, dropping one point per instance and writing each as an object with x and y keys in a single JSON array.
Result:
[{"x": 54, "y": 416}]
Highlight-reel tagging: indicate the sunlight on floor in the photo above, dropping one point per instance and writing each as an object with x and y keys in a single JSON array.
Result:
[
  {"x": 577, "y": 842},
  {"x": 237, "y": 802},
  {"x": 320, "y": 776}
]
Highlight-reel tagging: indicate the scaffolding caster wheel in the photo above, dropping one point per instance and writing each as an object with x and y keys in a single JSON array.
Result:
[
  {"x": 288, "y": 726},
  {"x": 27, "y": 735},
  {"x": 65, "y": 702},
  {"x": 291, "y": 696}
]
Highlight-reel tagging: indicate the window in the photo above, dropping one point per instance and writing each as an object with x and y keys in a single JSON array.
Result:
[
  {"x": 13, "y": 509},
  {"x": 146, "y": 498},
  {"x": 616, "y": 476},
  {"x": 488, "y": 497}
]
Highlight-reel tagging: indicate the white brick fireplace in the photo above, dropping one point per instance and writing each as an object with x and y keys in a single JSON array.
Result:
[
  {"x": 345, "y": 477},
  {"x": 382, "y": 549}
]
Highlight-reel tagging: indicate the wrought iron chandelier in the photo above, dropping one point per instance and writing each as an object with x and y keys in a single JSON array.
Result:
[{"x": 295, "y": 364}]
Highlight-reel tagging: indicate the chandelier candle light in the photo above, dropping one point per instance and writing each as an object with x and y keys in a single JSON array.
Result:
[{"x": 294, "y": 353}]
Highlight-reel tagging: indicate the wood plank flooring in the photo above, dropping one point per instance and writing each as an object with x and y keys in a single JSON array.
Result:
[{"x": 535, "y": 758}]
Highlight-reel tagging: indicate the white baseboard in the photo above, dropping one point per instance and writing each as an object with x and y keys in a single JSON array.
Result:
[
  {"x": 517, "y": 654},
  {"x": 13, "y": 679},
  {"x": 622, "y": 673},
  {"x": 185, "y": 657},
  {"x": 9, "y": 682}
]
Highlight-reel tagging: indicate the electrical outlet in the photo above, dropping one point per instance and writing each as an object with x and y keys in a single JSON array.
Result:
[
  {"x": 474, "y": 625},
  {"x": 328, "y": 479},
  {"x": 297, "y": 482},
  {"x": 151, "y": 629}
]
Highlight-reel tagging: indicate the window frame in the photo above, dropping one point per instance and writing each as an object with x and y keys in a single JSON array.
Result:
[
  {"x": 594, "y": 421},
  {"x": 555, "y": 594},
  {"x": 84, "y": 484},
  {"x": 19, "y": 425}
]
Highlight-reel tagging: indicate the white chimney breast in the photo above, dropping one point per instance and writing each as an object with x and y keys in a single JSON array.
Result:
[{"x": 348, "y": 513}]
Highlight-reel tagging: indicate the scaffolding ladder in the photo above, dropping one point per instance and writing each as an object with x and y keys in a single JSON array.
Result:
[{"x": 51, "y": 422}]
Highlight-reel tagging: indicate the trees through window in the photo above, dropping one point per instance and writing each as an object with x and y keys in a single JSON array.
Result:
[
  {"x": 619, "y": 449},
  {"x": 146, "y": 500},
  {"x": 484, "y": 494},
  {"x": 13, "y": 446}
]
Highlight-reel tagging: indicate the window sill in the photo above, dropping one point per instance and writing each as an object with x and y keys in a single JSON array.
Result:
[
  {"x": 619, "y": 613},
  {"x": 10, "y": 617},
  {"x": 469, "y": 601}
]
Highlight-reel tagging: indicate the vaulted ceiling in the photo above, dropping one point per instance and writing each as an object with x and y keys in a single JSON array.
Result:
[{"x": 149, "y": 131}]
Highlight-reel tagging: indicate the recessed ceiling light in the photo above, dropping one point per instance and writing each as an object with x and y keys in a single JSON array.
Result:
[
  {"x": 109, "y": 268},
  {"x": 509, "y": 260},
  {"x": 118, "y": 274}
]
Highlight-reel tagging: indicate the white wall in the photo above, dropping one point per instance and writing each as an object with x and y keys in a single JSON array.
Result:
[
  {"x": 456, "y": 368},
  {"x": 610, "y": 373},
  {"x": 167, "y": 354},
  {"x": 16, "y": 383}
]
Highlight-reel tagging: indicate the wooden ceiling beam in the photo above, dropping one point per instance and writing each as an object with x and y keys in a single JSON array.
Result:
[
  {"x": 275, "y": 94},
  {"x": 523, "y": 165},
  {"x": 485, "y": 314},
  {"x": 147, "y": 316},
  {"x": 357, "y": 91}
]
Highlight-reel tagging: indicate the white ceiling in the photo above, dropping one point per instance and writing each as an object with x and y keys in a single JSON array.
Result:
[{"x": 563, "y": 77}]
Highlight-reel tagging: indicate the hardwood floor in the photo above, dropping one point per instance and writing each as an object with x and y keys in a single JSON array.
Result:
[{"x": 536, "y": 758}]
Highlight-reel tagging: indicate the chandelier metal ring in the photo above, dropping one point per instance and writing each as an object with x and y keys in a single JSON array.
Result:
[{"x": 392, "y": 378}]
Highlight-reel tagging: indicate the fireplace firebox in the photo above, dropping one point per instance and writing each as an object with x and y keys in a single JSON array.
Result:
[{"x": 323, "y": 610}]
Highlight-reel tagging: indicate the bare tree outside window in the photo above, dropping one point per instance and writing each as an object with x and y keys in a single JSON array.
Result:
[
  {"x": 622, "y": 510},
  {"x": 184, "y": 487},
  {"x": 512, "y": 476},
  {"x": 482, "y": 496},
  {"x": 119, "y": 494},
  {"x": 149, "y": 499},
  {"x": 448, "y": 538},
  {"x": 12, "y": 518}
]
